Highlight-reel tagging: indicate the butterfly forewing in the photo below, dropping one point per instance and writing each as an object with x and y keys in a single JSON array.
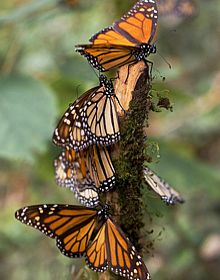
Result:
[
  {"x": 162, "y": 188},
  {"x": 139, "y": 25},
  {"x": 100, "y": 118},
  {"x": 71, "y": 226},
  {"x": 69, "y": 131},
  {"x": 105, "y": 57}
]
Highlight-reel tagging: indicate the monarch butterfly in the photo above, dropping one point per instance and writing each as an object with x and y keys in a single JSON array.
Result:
[
  {"x": 180, "y": 8},
  {"x": 86, "y": 231},
  {"x": 92, "y": 119},
  {"x": 86, "y": 173},
  {"x": 126, "y": 41},
  {"x": 162, "y": 188}
]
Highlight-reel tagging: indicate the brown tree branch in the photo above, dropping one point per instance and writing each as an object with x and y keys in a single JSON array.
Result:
[{"x": 132, "y": 88}]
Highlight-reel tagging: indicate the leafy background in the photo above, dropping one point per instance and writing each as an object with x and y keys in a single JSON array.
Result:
[{"x": 41, "y": 75}]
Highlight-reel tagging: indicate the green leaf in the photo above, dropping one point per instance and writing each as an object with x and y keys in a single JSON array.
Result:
[{"x": 27, "y": 113}]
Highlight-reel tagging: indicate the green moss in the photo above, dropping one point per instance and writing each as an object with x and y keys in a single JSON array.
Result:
[{"x": 129, "y": 164}]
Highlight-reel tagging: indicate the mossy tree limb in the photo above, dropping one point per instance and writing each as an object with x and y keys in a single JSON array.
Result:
[{"x": 132, "y": 88}]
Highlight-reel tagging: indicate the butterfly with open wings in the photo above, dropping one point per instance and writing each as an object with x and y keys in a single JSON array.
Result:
[
  {"x": 85, "y": 231},
  {"x": 128, "y": 40}
]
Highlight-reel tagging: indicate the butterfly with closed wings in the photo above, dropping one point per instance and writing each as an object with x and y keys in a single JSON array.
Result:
[
  {"x": 86, "y": 173},
  {"x": 162, "y": 188},
  {"x": 128, "y": 40},
  {"x": 92, "y": 119},
  {"x": 81, "y": 231}
]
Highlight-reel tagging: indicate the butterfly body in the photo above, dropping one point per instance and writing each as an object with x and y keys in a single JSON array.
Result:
[
  {"x": 143, "y": 51},
  {"x": 81, "y": 231},
  {"x": 92, "y": 119},
  {"x": 128, "y": 40}
]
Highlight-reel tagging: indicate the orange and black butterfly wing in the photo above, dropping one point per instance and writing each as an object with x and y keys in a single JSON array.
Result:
[
  {"x": 115, "y": 46},
  {"x": 122, "y": 257},
  {"x": 139, "y": 24},
  {"x": 162, "y": 188},
  {"x": 71, "y": 172},
  {"x": 65, "y": 171},
  {"x": 69, "y": 131},
  {"x": 104, "y": 57},
  {"x": 71, "y": 226},
  {"x": 100, "y": 167},
  {"x": 136, "y": 27},
  {"x": 100, "y": 119}
]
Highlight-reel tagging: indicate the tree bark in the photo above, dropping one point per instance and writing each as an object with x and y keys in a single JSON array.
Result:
[{"x": 132, "y": 88}]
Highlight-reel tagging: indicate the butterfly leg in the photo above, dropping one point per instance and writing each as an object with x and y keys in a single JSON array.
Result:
[
  {"x": 120, "y": 105},
  {"x": 129, "y": 65},
  {"x": 150, "y": 65}
]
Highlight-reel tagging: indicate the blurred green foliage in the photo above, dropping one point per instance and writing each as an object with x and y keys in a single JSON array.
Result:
[{"x": 41, "y": 75}]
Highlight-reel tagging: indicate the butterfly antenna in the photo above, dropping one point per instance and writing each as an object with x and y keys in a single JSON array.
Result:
[{"x": 164, "y": 59}]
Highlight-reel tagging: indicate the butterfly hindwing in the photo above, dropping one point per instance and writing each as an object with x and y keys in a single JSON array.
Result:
[
  {"x": 123, "y": 258},
  {"x": 100, "y": 167},
  {"x": 71, "y": 172},
  {"x": 96, "y": 254},
  {"x": 100, "y": 117},
  {"x": 86, "y": 173}
]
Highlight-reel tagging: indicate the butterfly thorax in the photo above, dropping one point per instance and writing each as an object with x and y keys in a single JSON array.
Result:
[
  {"x": 103, "y": 214},
  {"x": 144, "y": 50},
  {"x": 107, "y": 84}
]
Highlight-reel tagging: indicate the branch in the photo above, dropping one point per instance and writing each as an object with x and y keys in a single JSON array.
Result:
[{"x": 132, "y": 89}]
